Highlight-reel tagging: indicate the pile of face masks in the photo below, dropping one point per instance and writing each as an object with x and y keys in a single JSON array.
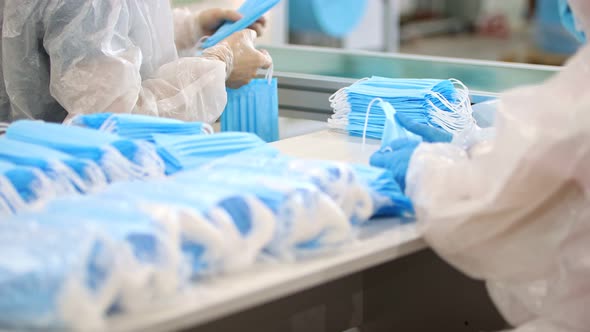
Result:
[
  {"x": 434, "y": 102},
  {"x": 229, "y": 201}
]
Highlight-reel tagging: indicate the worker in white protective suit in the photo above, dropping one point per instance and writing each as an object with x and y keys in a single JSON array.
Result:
[
  {"x": 515, "y": 210},
  {"x": 61, "y": 58}
]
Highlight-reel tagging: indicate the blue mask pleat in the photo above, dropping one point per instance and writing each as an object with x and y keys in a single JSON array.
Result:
[
  {"x": 253, "y": 108},
  {"x": 190, "y": 152},
  {"x": 139, "y": 127}
]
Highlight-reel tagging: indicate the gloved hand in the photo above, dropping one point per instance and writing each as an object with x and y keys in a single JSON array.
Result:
[
  {"x": 211, "y": 19},
  {"x": 242, "y": 59},
  {"x": 396, "y": 158},
  {"x": 428, "y": 133}
]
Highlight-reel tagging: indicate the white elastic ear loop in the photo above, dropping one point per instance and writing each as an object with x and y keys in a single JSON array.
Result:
[
  {"x": 367, "y": 119},
  {"x": 270, "y": 73},
  {"x": 201, "y": 41},
  {"x": 207, "y": 129}
]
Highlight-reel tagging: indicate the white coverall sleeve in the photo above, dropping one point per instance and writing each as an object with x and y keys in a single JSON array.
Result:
[
  {"x": 97, "y": 48},
  {"x": 187, "y": 31},
  {"x": 517, "y": 213},
  {"x": 581, "y": 10}
]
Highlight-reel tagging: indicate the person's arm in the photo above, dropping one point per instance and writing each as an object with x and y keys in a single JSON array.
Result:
[{"x": 96, "y": 67}]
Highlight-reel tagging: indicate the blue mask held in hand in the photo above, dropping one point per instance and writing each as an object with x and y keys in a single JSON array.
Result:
[
  {"x": 251, "y": 11},
  {"x": 190, "y": 152},
  {"x": 119, "y": 158},
  {"x": 254, "y": 108},
  {"x": 140, "y": 127},
  {"x": 396, "y": 158},
  {"x": 68, "y": 174}
]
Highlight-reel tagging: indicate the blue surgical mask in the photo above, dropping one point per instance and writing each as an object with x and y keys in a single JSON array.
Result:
[
  {"x": 251, "y": 11},
  {"x": 253, "y": 108},
  {"x": 190, "y": 152},
  {"x": 140, "y": 127},
  {"x": 119, "y": 158},
  {"x": 69, "y": 175}
]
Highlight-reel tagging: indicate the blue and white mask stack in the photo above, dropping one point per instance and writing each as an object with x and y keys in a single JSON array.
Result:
[{"x": 438, "y": 103}]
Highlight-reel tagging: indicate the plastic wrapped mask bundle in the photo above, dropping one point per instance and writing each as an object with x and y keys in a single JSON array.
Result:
[
  {"x": 29, "y": 183},
  {"x": 308, "y": 221},
  {"x": 223, "y": 229},
  {"x": 190, "y": 152},
  {"x": 57, "y": 278},
  {"x": 251, "y": 11},
  {"x": 388, "y": 198},
  {"x": 152, "y": 237},
  {"x": 119, "y": 158},
  {"x": 68, "y": 174},
  {"x": 254, "y": 108},
  {"x": 337, "y": 180},
  {"x": 437, "y": 103},
  {"x": 140, "y": 127}
]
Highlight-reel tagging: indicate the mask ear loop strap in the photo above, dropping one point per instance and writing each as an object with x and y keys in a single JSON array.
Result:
[
  {"x": 367, "y": 119},
  {"x": 270, "y": 73}
]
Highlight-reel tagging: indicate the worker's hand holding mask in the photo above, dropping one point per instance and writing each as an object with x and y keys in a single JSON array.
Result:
[
  {"x": 242, "y": 59},
  {"x": 396, "y": 157},
  {"x": 428, "y": 133},
  {"x": 211, "y": 19}
]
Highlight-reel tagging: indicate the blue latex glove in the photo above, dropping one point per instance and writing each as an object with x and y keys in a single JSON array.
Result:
[
  {"x": 396, "y": 158},
  {"x": 428, "y": 133},
  {"x": 569, "y": 21}
]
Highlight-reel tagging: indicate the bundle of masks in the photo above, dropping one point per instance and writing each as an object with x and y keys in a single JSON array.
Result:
[
  {"x": 254, "y": 108},
  {"x": 437, "y": 103}
]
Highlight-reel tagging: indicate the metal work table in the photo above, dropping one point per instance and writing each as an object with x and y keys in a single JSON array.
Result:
[{"x": 388, "y": 280}]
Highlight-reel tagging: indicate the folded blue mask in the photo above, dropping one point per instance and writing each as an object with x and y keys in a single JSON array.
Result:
[
  {"x": 68, "y": 174},
  {"x": 437, "y": 103},
  {"x": 10, "y": 199},
  {"x": 223, "y": 229},
  {"x": 388, "y": 198},
  {"x": 253, "y": 108},
  {"x": 56, "y": 278},
  {"x": 140, "y": 127},
  {"x": 308, "y": 221},
  {"x": 190, "y": 152},
  {"x": 30, "y": 183},
  {"x": 251, "y": 11},
  {"x": 119, "y": 158}
]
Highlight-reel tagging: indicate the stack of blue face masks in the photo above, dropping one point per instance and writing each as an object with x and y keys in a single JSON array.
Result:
[
  {"x": 140, "y": 127},
  {"x": 189, "y": 152},
  {"x": 251, "y": 11},
  {"x": 29, "y": 183},
  {"x": 67, "y": 174},
  {"x": 58, "y": 278},
  {"x": 253, "y": 108},
  {"x": 222, "y": 229},
  {"x": 10, "y": 199},
  {"x": 434, "y": 102},
  {"x": 119, "y": 158}
]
